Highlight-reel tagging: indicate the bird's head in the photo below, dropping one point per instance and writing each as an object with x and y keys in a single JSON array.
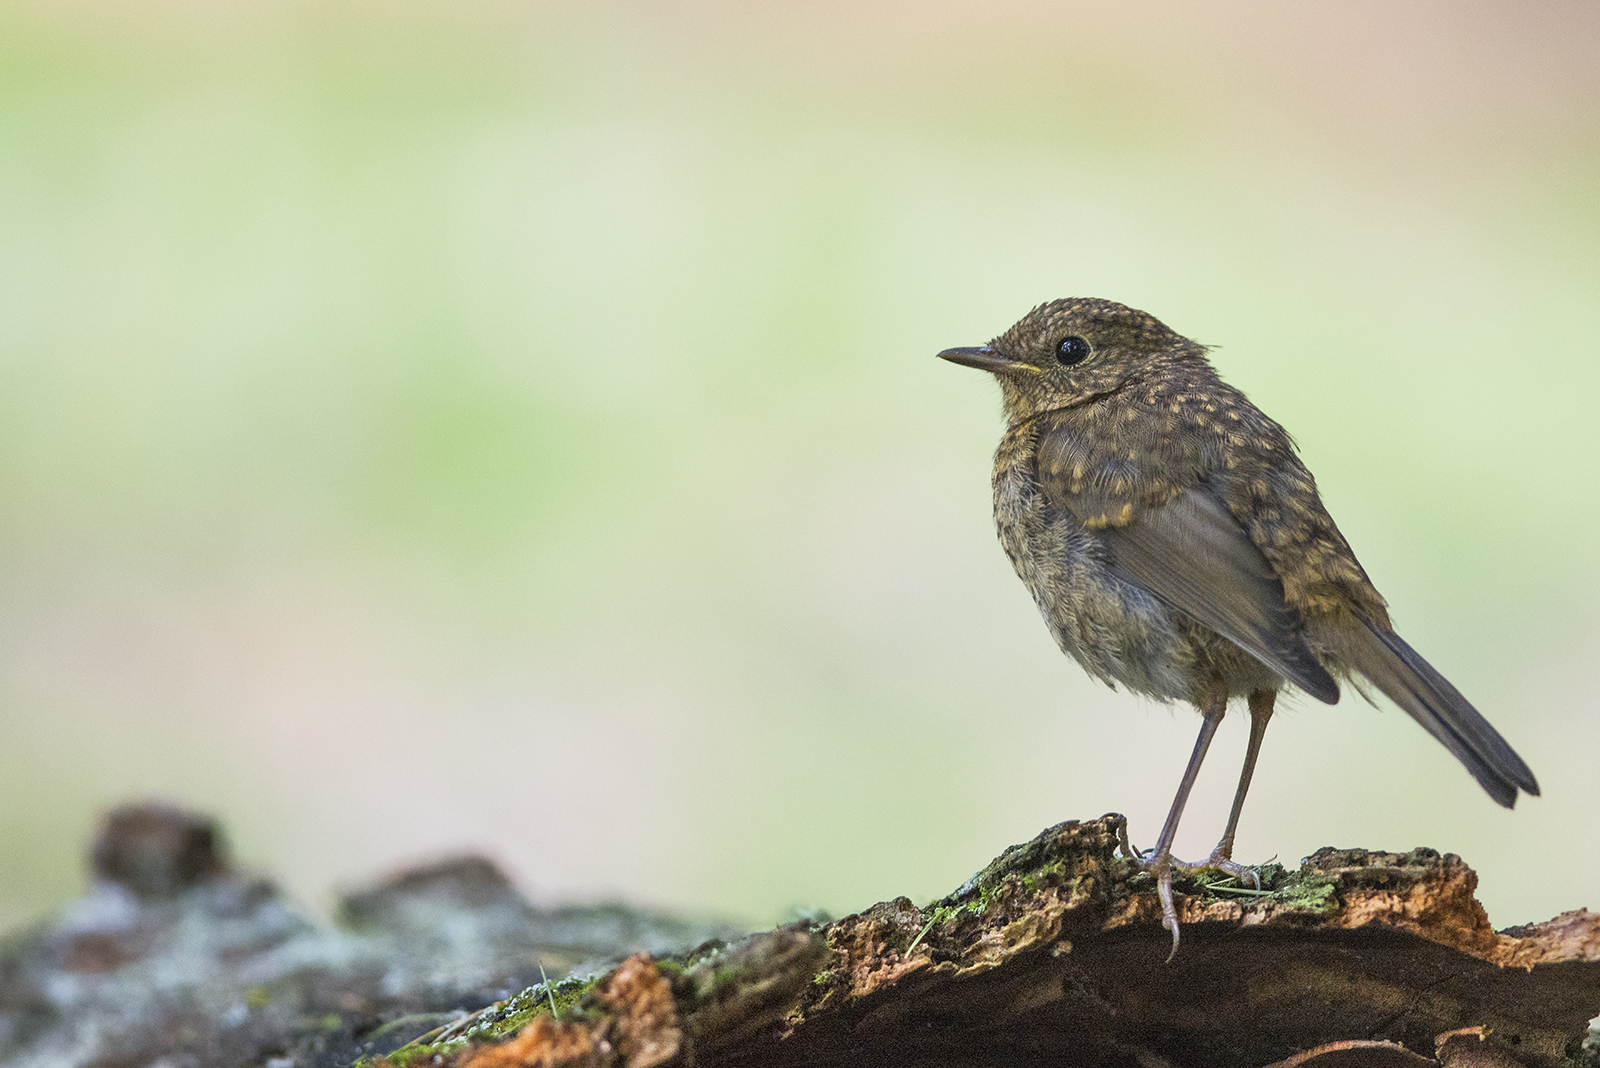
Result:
[{"x": 1077, "y": 350}]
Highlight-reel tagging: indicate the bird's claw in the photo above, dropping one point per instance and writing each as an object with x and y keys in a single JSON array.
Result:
[
  {"x": 1219, "y": 861},
  {"x": 1169, "y": 912},
  {"x": 1161, "y": 869}
]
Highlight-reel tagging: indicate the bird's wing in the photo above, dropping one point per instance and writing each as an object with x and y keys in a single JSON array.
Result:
[{"x": 1195, "y": 557}]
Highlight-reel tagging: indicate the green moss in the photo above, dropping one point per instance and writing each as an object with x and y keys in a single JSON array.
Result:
[
  {"x": 1054, "y": 859},
  {"x": 1310, "y": 891},
  {"x": 408, "y": 1055},
  {"x": 1304, "y": 889},
  {"x": 501, "y": 1021},
  {"x": 515, "y": 1013},
  {"x": 1057, "y": 859}
]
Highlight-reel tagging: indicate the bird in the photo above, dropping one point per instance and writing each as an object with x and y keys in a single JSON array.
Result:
[{"x": 1176, "y": 544}]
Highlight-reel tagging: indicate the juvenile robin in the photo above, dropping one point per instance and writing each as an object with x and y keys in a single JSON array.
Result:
[{"x": 1175, "y": 544}]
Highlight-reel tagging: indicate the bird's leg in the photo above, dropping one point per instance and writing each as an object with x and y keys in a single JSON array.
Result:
[
  {"x": 1222, "y": 857},
  {"x": 1158, "y": 861}
]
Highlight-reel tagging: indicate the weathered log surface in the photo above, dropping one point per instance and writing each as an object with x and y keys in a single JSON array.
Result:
[
  {"x": 1055, "y": 952},
  {"x": 1052, "y": 955}
]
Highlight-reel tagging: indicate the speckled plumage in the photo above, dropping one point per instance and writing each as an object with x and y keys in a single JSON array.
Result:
[
  {"x": 1175, "y": 543},
  {"x": 1144, "y": 422}
]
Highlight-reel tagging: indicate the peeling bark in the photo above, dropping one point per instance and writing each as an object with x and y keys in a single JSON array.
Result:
[{"x": 1054, "y": 954}]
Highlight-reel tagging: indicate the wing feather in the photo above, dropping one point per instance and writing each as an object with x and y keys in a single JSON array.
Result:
[{"x": 1192, "y": 555}]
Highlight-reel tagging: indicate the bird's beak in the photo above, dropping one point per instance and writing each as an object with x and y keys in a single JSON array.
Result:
[{"x": 984, "y": 358}]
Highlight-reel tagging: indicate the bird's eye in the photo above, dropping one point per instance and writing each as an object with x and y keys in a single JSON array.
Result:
[{"x": 1072, "y": 349}]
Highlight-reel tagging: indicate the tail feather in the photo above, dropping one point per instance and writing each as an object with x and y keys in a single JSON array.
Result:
[{"x": 1412, "y": 683}]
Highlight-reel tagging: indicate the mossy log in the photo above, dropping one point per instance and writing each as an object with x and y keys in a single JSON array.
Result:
[{"x": 1054, "y": 954}]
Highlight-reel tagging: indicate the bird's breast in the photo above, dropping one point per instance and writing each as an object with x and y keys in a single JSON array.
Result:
[{"x": 1114, "y": 628}]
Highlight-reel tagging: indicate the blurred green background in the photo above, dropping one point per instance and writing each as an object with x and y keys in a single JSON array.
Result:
[{"x": 515, "y": 426}]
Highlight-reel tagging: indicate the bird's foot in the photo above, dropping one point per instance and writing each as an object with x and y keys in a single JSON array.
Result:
[
  {"x": 1220, "y": 860},
  {"x": 1160, "y": 868}
]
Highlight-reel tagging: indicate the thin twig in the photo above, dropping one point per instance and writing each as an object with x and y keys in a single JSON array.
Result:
[
  {"x": 549, "y": 990},
  {"x": 1221, "y": 889},
  {"x": 445, "y": 1033},
  {"x": 925, "y": 929}
]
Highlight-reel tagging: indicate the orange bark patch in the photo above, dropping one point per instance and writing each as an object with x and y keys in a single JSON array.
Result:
[
  {"x": 865, "y": 950},
  {"x": 544, "y": 1043},
  {"x": 1570, "y": 936},
  {"x": 645, "y": 1028}
]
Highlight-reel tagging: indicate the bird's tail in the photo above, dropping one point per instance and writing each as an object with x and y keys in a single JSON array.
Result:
[{"x": 1412, "y": 683}]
